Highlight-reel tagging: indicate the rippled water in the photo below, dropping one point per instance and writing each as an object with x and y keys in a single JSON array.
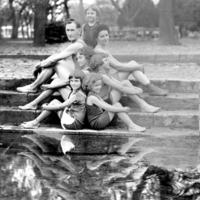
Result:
[{"x": 40, "y": 170}]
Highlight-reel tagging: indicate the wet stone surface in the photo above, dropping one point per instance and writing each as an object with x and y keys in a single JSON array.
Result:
[{"x": 38, "y": 169}]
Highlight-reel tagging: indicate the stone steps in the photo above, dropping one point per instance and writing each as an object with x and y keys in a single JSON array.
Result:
[
  {"x": 179, "y": 108},
  {"x": 173, "y": 85},
  {"x": 176, "y": 119},
  {"x": 174, "y": 101}
]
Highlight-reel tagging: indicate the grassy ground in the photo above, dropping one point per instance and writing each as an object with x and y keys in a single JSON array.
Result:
[{"x": 24, "y": 67}]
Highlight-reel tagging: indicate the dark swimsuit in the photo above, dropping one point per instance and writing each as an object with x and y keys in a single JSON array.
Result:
[
  {"x": 97, "y": 117},
  {"x": 77, "y": 111},
  {"x": 88, "y": 34}
]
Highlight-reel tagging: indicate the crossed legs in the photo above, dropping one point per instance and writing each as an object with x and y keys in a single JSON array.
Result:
[{"x": 62, "y": 69}]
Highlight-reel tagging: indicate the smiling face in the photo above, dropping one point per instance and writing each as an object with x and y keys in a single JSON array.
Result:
[
  {"x": 75, "y": 83},
  {"x": 103, "y": 38},
  {"x": 73, "y": 33},
  {"x": 81, "y": 60},
  {"x": 96, "y": 87},
  {"x": 91, "y": 15}
]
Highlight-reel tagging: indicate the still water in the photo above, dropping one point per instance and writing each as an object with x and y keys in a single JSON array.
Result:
[{"x": 35, "y": 167}]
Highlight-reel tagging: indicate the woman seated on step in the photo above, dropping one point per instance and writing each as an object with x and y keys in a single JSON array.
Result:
[
  {"x": 100, "y": 112},
  {"x": 113, "y": 89},
  {"x": 101, "y": 34},
  {"x": 71, "y": 112},
  {"x": 82, "y": 57}
]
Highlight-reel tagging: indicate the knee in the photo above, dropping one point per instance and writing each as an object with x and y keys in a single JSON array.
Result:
[
  {"x": 56, "y": 80},
  {"x": 126, "y": 83},
  {"x": 117, "y": 104},
  {"x": 54, "y": 102}
]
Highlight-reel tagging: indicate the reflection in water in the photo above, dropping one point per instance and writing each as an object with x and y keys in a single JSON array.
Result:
[{"x": 42, "y": 171}]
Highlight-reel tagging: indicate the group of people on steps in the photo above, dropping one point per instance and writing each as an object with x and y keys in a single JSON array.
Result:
[{"x": 93, "y": 85}]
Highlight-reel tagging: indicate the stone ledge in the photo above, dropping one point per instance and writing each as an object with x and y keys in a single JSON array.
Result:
[{"x": 157, "y": 58}]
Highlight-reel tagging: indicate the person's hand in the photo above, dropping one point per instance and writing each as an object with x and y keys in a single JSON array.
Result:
[
  {"x": 37, "y": 70},
  {"x": 44, "y": 106},
  {"x": 47, "y": 62},
  {"x": 45, "y": 87},
  {"x": 127, "y": 109}
]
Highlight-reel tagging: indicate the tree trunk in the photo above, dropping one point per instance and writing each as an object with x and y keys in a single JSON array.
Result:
[
  {"x": 15, "y": 26},
  {"x": 66, "y": 9},
  {"x": 81, "y": 9},
  {"x": 14, "y": 33},
  {"x": 40, "y": 22},
  {"x": 167, "y": 34}
]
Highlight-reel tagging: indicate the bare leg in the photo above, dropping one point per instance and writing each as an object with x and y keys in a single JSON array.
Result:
[
  {"x": 144, "y": 107},
  {"x": 126, "y": 119},
  {"x": 64, "y": 92},
  {"x": 34, "y": 104},
  {"x": 45, "y": 113},
  {"x": 63, "y": 69},
  {"x": 142, "y": 78},
  {"x": 33, "y": 87}
]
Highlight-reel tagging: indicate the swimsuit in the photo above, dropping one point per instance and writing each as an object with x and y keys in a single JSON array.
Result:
[
  {"x": 77, "y": 112},
  {"x": 88, "y": 36},
  {"x": 97, "y": 117}
]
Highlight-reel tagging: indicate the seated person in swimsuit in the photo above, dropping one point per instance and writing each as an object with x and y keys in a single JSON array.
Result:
[
  {"x": 99, "y": 112},
  {"x": 71, "y": 112},
  {"x": 59, "y": 63},
  {"x": 113, "y": 88},
  {"x": 82, "y": 58},
  {"x": 123, "y": 70}
]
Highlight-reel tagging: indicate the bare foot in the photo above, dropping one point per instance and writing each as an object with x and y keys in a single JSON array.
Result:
[
  {"x": 28, "y": 107},
  {"x": 27, "y": 89},
  {"x": 30, "y": 125},
  {"x": 136, "y": 128},
  {"x": 149, "y": 109}
]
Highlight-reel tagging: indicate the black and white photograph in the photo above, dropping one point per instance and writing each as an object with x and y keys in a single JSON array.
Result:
[{"x": 99, "y": 99}]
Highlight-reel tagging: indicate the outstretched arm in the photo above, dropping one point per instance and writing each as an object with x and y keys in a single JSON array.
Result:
[
  {"x": 71, "y": 49},
  {"x": 102, "y": 104},
  {"x": 118, "y": 86},
  {"x": 60, "y": 106},
  {"x": 119, "y": 66}
]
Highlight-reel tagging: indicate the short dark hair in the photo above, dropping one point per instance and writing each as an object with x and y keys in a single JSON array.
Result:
[
  {"x": 75, "y": 21},
  {"x": 78, "y": 74},
  {"x": 87, "y": 51},
  {"x": 98, "y": 28}
]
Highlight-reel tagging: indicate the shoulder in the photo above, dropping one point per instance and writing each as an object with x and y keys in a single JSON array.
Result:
[
  {"x": 80, "y": 95},
  {"x": 91, "y": 99},
  {"x": 75, "y": 46},
  {"x": 105, "y": 77},
  {"x": 81, "y": 42},
  {"x": 98, "y": 49}
]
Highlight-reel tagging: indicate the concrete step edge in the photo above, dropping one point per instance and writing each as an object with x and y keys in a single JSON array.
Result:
[
  {"x": 132, "y": 112},
  {"x": 149, "y": 58},
  {"x": 151, "y": 132}
]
